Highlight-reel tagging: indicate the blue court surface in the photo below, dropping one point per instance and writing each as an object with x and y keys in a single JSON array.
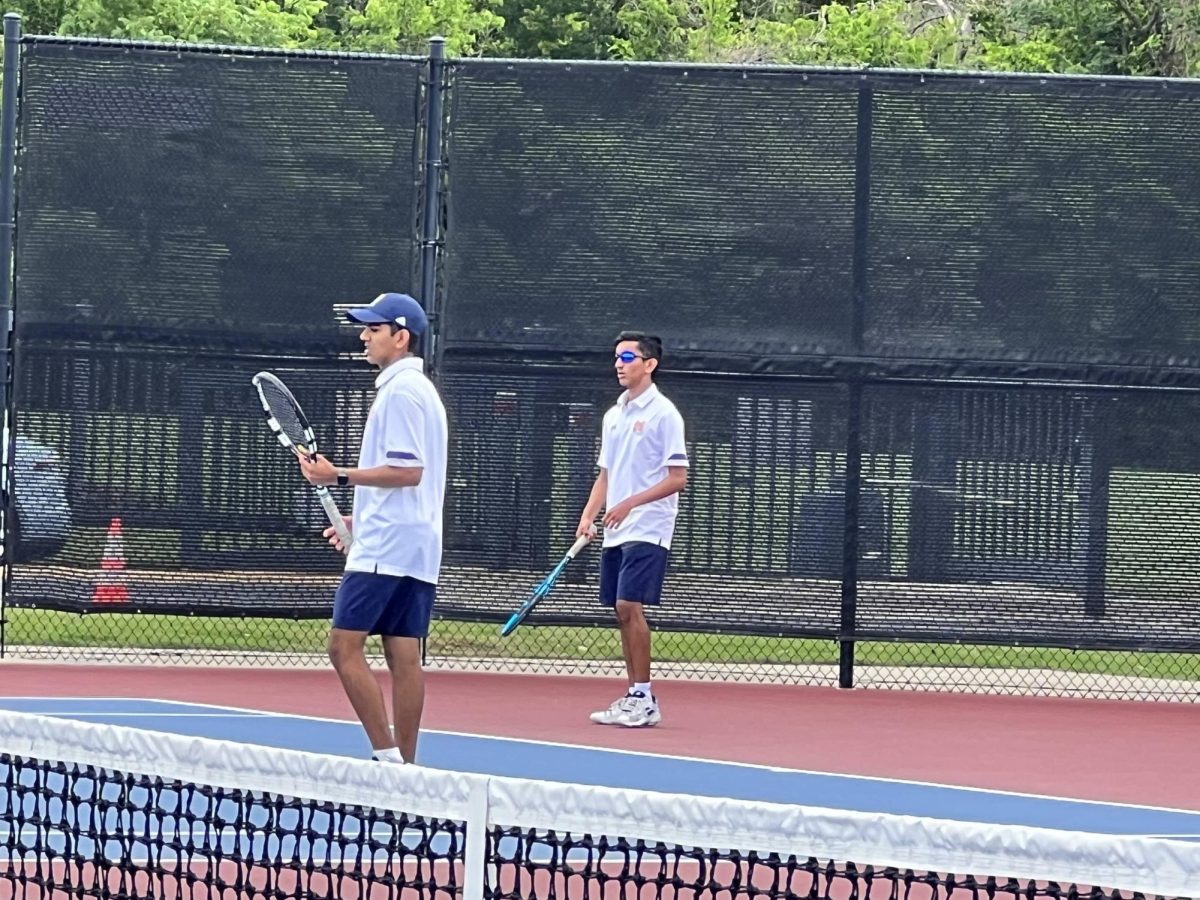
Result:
[{"x": 567, "y": 763}]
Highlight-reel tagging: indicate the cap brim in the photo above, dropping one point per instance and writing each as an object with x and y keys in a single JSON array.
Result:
[{"x": 364, "y": 315}]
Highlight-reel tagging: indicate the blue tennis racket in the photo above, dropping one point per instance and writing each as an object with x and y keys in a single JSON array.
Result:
[{"x": 539, "y": 593}]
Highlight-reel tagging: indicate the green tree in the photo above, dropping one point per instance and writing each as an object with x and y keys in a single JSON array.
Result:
[
  {"x": 651, "y": 29},
  {"x": 256, "y": 22},
  {"x": 241, "y": 22},
  {"x": 559, "y": 29},
  {"x": 471, "y": 27},
  {"x": 1104, "y": 37},
  {"x": 882, "y": 34},
  {"x": 41, "y": 16},
  {"x": 1122, "y": 37}
]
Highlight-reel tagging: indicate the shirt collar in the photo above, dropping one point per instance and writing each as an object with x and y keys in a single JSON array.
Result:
[
  {"x": 641, "y": 401},
  {"x": 394, "y": 369}
]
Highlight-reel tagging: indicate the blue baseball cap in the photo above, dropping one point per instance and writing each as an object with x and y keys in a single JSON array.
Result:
[{"x": 391, "y": 309}]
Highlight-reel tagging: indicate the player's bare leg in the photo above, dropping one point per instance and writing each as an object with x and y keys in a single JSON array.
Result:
[
  {"x": 635, "y": 640},
  {"x": 346, "y": 652},
  {"x": 403, "y": 656}
]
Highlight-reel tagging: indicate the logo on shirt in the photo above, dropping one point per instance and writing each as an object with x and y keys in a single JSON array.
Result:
[{"x": 639, "y": 426}]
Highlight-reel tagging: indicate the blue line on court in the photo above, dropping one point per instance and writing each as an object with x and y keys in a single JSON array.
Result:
[{"x": 558, "y": 762}]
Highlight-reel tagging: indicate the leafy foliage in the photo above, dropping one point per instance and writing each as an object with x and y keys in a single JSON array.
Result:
[{"x": 1123, "y": 37}]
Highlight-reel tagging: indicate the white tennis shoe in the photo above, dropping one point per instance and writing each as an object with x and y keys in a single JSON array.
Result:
[
  {"x": 609, "y": 716},
  {"x": 634, "y": 710}
]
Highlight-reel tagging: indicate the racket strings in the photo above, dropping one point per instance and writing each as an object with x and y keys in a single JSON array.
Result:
[{"x": 283, "y": 410}]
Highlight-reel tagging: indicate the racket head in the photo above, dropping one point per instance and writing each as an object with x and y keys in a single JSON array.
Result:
[
  {"x": 531, "y": 600},
  {"x": 518, "y": 617},
  {"x": 285, "y": 417}
]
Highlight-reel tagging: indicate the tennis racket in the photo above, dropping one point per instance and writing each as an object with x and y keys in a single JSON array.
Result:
[
  {"x": 288, "y": 423},
  {"x": 539, "y": 593}
]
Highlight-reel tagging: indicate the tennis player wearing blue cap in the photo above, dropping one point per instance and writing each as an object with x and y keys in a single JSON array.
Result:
[{"x": 399, "y": 488}]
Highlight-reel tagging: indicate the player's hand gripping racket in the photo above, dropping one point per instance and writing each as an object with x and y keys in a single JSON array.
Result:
[
  {"x": 291, "y": 426},
  {"x": 538, "y": 593}
]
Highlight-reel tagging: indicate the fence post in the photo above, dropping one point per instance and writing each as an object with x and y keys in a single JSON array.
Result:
[
  {"x": 431, "y": 210},
  {"x": 8, "y": 185},
  {"x": 862, "y": 233},
  {"x": 848, "y": 623},
  {"x": 431, "y": 175}
]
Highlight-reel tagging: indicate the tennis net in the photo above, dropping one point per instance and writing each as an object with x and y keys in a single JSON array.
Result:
[{"x": 105, "y": 812}]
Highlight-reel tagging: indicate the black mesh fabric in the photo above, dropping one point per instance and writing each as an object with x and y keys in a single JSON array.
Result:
[
  {"x": 1004, "y": 222},
  {"x": 210, "y": 198},
  {"x": 1026, "y": 220},
  {"x": 713, "y": 206}
]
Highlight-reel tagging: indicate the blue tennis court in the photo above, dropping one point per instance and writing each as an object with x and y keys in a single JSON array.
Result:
[{"x": 610, "y": 768}]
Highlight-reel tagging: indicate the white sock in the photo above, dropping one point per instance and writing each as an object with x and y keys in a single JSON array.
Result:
[
  {"x": 388, "y": 755},
  {"x": 644, "y": 687}
]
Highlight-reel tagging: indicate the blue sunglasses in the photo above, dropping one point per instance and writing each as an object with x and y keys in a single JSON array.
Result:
[{"x": 628, "y": 356}]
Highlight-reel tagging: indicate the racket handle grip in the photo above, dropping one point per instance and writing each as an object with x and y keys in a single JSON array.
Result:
[
  {"x": 335, "y": 519},
  {"x": 578, "y": 545}
]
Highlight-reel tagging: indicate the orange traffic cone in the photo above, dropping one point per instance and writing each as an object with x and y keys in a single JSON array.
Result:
[{"x": 110, "y": 585}]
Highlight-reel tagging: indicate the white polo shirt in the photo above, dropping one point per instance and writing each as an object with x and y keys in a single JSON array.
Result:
[
  {"x": 398, "y": 531},
  {"x": 641, "y": 439}
]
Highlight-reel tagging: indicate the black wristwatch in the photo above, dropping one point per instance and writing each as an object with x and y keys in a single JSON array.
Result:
[{"x": 343, "y": 477}]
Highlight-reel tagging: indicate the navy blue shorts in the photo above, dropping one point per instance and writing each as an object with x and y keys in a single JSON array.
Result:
[
  {"x": 633, "y": 571},
  {"x": 383, "y": 604}
]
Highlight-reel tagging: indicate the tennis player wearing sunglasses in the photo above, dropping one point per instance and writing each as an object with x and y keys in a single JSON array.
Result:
[
  {"x": 399, "y": 487},
  {"x": 643, "y": 467}
]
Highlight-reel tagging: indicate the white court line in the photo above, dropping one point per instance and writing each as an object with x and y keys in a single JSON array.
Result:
[
  {"x": 243, "y": 713},
  {"x": 142, "y": 715},
  {"x": 157, "y": 701},
  {"x": 1174, "y": 837},
  {"x": 700, "y": 759}
]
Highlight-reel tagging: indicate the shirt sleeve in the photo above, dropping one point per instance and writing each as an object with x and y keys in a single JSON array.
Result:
[
  {"x": 674, "y": 446},
  {"x": 404, "y": 434},
  {"x": 606, "y": 450}
]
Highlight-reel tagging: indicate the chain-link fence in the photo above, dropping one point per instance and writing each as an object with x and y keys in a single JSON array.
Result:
[{"x": 934, "y": 337}]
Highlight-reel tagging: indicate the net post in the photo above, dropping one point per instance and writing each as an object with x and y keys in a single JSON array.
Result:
[
  {"x": 475, "y": 860},
  {"x": 430, "y": 213},
  {"x": 8, "y": 190}
]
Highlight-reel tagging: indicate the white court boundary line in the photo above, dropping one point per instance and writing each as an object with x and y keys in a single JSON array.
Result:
[{"x": 239, "y": 711}]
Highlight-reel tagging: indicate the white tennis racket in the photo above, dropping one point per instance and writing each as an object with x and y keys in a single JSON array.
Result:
[{"x": 289, "y": 424}]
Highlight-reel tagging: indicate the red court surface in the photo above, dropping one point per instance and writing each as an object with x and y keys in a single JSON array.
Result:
[{"x": 1116, "y": 751}]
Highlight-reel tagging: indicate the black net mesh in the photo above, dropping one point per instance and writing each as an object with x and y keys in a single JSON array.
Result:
[
  {"x": 182, "y": 214},
  {"x": 94, "y": 811},
  {"x": 81, "y": 831},
  {"x": 539, "y": 863}
]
